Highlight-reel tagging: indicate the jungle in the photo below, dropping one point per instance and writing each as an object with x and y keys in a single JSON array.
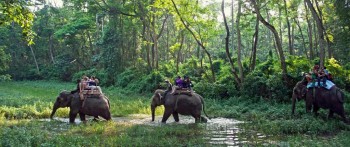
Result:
[{"x": 247, "y": 60}]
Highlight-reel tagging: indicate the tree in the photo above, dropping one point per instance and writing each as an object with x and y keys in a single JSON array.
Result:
[
  {"x": 277, "y": 38},
  {"x": 237, "y": 79},
  {"x": 18, "y": 12}
]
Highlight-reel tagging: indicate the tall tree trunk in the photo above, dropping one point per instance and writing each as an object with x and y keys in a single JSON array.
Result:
[
  {"x": 179, "y": 52},
  {"x": 197, "y": 40},
  {"x": 290, "y": 46},
  {"x": 277, "y": 39},
  {"x": 51, "y": 49},
  {"x": 233, "y": 28},
  {"x": 227, "y": 48},
  {"x": 319, "y": 30},
  {"x": 302, "y": 36},
  {"x": 317, "y": 52},
  {"x": 330, "y": 54},
  {"x": 292, "y": 39},
  {"x": 273, "y": 43},
  {"x": 255, "y": 44},
  {"x": 145, "y": 33},
  {"x": 310, "y": 30},
  {"x": 280, "y": 23},
  {"x": 239, "y": 40},
  {"x": 36, "y": 63}
]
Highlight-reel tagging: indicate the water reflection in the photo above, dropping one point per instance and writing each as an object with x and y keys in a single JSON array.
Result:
[{"x": 221, "y": 131}]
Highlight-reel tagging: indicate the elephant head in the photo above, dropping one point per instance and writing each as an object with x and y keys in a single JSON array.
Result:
[
  {"x": 63, "y": 100},
  {"x": 299, "y": 92},
  {"x": 157, "y": 100}
]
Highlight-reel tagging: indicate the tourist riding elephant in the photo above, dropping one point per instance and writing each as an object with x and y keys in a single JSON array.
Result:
[
  {"x": 93, "y": 106},
  {"x": 319, "y": 97},
  {"x": 178, "y": 104}
]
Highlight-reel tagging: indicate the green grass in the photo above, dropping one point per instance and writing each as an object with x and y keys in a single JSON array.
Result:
[{"x": 22, "y": 103}]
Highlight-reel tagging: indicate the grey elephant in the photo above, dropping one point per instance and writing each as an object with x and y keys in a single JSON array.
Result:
[
  {"x": 178, "y": 104},
  {"x": 96, "y": 105},
  {"x": 316, "y": 98}
]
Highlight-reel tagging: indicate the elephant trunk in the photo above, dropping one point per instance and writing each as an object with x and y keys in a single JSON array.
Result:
[
  {"x": 153, "y": 109},
  {"x": 294, "y": 98},
  {"x": 54, "y": 109}
]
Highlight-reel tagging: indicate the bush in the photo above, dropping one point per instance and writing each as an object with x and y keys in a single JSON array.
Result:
[
  {"x": 136, "y": 81},
  {"x": 212, "y": 90},
  {"x": 255, "y": 86}
]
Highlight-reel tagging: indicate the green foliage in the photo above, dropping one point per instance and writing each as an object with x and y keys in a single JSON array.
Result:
[
  {"x": 212, "y": 90},
  {"x": 255, "y": 85},
  {"x": 298, "y": 65},
  {"x": 72, "y": 28},
  {"x": 18, "y": 12},
  {"x": 4, "y": 59}
]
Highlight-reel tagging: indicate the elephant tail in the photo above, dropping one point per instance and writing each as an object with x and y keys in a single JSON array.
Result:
[
  {"x": 107, "y": 99},
  {"x": 340, "y": 95},
  {"x": 203, "y": 103}
]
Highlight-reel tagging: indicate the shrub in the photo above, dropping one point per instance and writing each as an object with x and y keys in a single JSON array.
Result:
[
  {"x": 212, "y": 90},
  {"x": 255, "y": 85}
]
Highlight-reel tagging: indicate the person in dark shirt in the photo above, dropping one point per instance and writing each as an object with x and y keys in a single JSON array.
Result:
[{"x": 187, "y": 83}]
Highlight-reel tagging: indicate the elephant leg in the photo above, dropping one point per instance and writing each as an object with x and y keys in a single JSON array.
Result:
[
  {"x": 176, "y": 116},
  {"x": 82, "y": 116},
  {"x": 203, "y": 119},
  {"x": 308, "y": 106},
  {"x": 315, "y": 109},
  {"x": 330, "y": 114},
  {"x": 340, "y": 111},
  {"x": 166, "y": 115},
  {"x": 196, "y": 118},
  {"x": 72, "y": 117}
]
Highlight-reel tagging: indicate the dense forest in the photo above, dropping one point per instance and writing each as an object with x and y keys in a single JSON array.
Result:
[
  {"x": 243, "y": 56},
  {"x": 229, "y": 46}
]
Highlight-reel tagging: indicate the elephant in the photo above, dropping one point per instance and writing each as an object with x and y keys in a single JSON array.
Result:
[
  {"x": 319, "y": 97},
  {"x": 96, "y": 105},
  {"x": 178, "y": 104}
]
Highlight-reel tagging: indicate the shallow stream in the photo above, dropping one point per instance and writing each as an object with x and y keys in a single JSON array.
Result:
[{"x": 221, "y": 131}]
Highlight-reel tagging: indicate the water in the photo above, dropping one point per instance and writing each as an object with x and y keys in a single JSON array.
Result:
[{"x": 221, "y": 131}]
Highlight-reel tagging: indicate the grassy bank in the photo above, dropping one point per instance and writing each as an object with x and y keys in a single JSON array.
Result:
[{"x": 22, "y": 103}]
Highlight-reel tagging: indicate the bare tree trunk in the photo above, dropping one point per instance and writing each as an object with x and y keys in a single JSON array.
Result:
[
  {"x": 197, "y": 40},
  {"x": 302, "y": 36},
  {"x": 330, "y": 54},
  {"x": 280, "y": 23},
  {"x": 269, "y": 35},
  {"x": 179, "y": 52},
  {"x": 145, "y": 33},
  {"x": 227, "y": 39},
  {"x": 291, "y": 52},
  {"x": 292, "y": 40},
  {"x": 255, "y": 44},
  {"x": 239, "y": 40},
  {"x": 310, "y": 30},
  {"x": 317, "y": 52},
  {"x": 277, "y": 38},
  {"x": 36, "y": 63},
  {"x": 233, "y": 28},
  {"x": 319, "y": 30},
  {"x": 51, "y": 49}
]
